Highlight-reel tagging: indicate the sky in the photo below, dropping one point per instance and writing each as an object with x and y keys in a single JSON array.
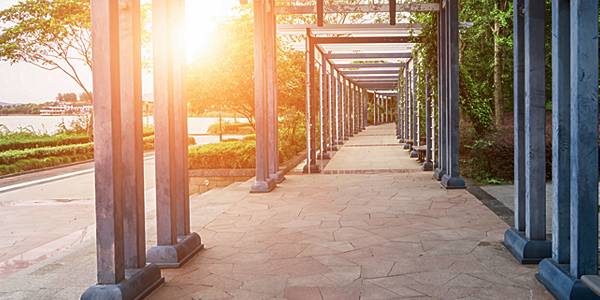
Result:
[{"x": 24, "y": 83}]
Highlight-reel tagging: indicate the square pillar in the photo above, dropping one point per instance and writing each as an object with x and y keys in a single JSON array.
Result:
[
  {"x": 333, "y": 110},
  {"x": 175, "y": 243},
  {"x": 442, "y": 94},
  {"x": 531, "y": 245},
  {"x": 122, "y": 272},
  {"x": 428, "y": 164},
  {"x": 311, "y": 108},
  {"x": 572, "y": 271},
  {"x": 324, "y": 110},
  {"x": 275, "y": 175},
  {"x": 452, "y": 179}
]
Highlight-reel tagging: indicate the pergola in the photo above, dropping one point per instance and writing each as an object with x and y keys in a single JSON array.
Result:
[{"x": 357, "y": 64}]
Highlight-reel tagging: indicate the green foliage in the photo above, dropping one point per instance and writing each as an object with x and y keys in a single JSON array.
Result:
[
  {"x": 26, "y": 140},
  {"x": 20, "y": 109},
  {"x": 50, "y": 34},
  {"x": 231, "y": 128},
  {"x": 242, "y": 154},
  {"x": 12, "y": 156},
  {"x": 222, "y": 78},
  {"x": 227, "y": 155}
]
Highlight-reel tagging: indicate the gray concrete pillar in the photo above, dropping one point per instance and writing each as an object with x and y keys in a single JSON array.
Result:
[
  {"x": 577, "y": 279},
  {"x": 452, "y": 179},
  {"x": 428, "y": 164},
  {"x": 275, "y": 175},
  {"x": 175, "y": 244},
  {"x": 531, "y": 246},
  {"x": 311, "y": 162},
  {"x": 441, "y": 170}
]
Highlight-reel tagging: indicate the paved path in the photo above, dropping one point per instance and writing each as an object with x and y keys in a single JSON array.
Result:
[
  {"x": 390, "y": 233},
  {"x": 352, "y": 236}
]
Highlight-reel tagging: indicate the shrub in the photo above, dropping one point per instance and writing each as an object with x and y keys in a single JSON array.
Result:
[
  {"x": 22, "y": 140},
  {"x": 230, "y": 155},
  {"x": 231, "y": 128},
  {"x": 12, "y": 156}
]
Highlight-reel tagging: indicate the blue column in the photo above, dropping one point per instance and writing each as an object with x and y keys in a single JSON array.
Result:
[
  {"x": 452, "y": 179},
  {"x": 441, "y": 169},
  {"x": 413, "y": 111},
  {"x": 584, "y": 137},
  {"x": 428, "y": 164},
  {"x": 564, "y": 281},
  {"x": 531, "y": 246},
  {"x": 519, "y": 113}
]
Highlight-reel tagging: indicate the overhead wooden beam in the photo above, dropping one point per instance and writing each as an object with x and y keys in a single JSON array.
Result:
[
  {"x": 392, "y": 10},
  {"x": 376, "y": 77},
  {"x": 366, "y": 40},
  {"x": 357, "y": 8},
  {"x": 364, "y": 55},
  {"x": 320, "y": 13},
  {"x": 343, "y": 28},
  {"x": 368, "y": 72},
  {"x": 367, "y": 66}
]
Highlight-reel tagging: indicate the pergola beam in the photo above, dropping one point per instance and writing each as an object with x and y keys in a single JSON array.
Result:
[
  {"x": 366, "y": 55},
  {"x": 366, "y": 40},
  {"x": 357, "y": 8},
  {"x": 367, "y": 66},
  {"x": 343, "y": 28},
  {"x": 372, "y": 72}
]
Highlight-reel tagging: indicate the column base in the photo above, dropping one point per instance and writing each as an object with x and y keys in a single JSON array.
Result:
[
  {"x": 414, "y": 154},
  {"x": 406, "y": 146},
  {"x": 339, "y": 143},
  {"x": 277, "y": 178},
  {"x": 557, "y": 279},
  {"x": 263, "y": 186},
  {"x": 438, "y": 174},
  {"x": 324, "y": 155},
  {"x": 453, "y": 183},
  {"x": 174, "y": 256},
  {"x": 427, "y": 166},
  {"x": 524, "y": 250},
  {"x": 313, "y": 169},
  {"x": 332, "y": 148},
  {"x": 138, "y": 284}
]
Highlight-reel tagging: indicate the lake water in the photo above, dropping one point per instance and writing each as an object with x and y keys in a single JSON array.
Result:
[{"x": 49, "y": 124}]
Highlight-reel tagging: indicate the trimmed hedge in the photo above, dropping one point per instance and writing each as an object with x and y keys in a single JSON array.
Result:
[
  {"x": 226, "y": 155},
  {"x": 28, "y": 141},
  {"x": 40, "y": 163},
  {"x": 12, "y": 156}
]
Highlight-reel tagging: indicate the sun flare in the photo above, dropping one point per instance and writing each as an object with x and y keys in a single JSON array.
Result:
[{"x": 201, "y": 23}]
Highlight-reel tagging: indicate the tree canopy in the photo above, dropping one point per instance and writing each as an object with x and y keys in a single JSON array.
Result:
[
  {"x": 50, "y": 34},
  {"x": 222, "y": 78}
]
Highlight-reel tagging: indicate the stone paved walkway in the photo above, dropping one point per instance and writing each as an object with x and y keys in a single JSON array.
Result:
[{"x": 351, "y": 236}]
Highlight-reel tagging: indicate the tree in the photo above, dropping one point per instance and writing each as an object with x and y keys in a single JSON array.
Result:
[
  {"x": 50, "y": 34},
  {"x": 223, "y": 76}
]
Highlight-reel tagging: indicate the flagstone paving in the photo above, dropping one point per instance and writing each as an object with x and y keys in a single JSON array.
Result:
[{"x": 350, "y": 236}]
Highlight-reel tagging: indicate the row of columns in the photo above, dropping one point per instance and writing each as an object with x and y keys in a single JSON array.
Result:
[
  {"x": 125, "y": 270},
  {"x": 339, "y": 112},
  {"x": 410, "y": 114},
  {"x": 568, "y": 263},
  {"x": 382, "y": 109}
]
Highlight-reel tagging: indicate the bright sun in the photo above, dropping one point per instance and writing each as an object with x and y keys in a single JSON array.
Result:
[{"x": 202, "y": 18}]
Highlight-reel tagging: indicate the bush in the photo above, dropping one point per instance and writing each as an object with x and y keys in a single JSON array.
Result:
[
  {"x": 39, "y": 163},
  {"x": 230, "y": 155},
  {"x": 23, "y": 140},
  {"x": 13, "y": 156},
  {"x": 242, "y": 154},
  {"x": 231, "y": 128}
]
